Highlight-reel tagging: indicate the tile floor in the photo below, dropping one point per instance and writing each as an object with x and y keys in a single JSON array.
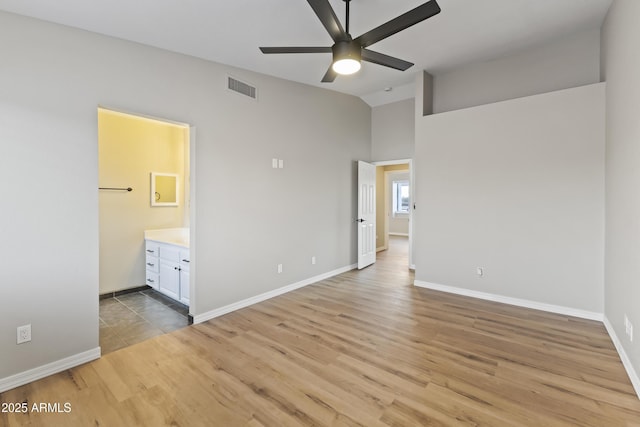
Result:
[{"x": 132, "y": 318}]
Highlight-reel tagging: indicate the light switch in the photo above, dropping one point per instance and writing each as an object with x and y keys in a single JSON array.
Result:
[{"x": 281, "y": 164}]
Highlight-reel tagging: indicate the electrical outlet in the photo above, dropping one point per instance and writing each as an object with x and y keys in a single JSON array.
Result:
[
  {"x": 24, "y": 334},
  {"x": 279, "y": 268},
  {"x": 313, "y": 260}
]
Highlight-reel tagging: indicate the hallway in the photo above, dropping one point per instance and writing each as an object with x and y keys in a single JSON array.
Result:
[{"x": 392, "y": 265}]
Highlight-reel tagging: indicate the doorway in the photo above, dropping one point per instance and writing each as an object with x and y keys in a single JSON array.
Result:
[
  {"x": 394, "y": 207},
  {"x": 133, "y": 149}
]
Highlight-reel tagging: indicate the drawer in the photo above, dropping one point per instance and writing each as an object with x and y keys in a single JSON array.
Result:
[
  {"x": 152, "y": 264},
  {"x": 153, "y": 279},
  {"x": 185, "y": 259},
  {"x": 152, "y": 249},
  {"x": 170, "y": 253}
]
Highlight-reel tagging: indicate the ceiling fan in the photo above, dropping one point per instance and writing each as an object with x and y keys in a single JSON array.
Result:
[{"x": 349, "y": 52}]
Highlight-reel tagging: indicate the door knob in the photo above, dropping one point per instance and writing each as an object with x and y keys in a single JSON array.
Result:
[{"x": 360, "y": 220}]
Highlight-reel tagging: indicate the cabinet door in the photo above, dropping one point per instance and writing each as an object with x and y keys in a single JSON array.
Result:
[
  {"x": 184, "y": 286},
  {"x": 170, "y": 279}
]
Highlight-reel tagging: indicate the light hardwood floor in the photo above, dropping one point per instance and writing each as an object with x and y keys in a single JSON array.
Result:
[{"x": 363, "y": 348}]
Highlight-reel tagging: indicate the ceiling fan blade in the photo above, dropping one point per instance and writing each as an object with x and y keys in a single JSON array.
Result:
[
  {"x": 296, "y": 49},
  {"x": 386, "y": 60},
  {"x": 328, "y": 17},
  {"x": 330, "y": 75},
  {"x": 402, "y": 22}
]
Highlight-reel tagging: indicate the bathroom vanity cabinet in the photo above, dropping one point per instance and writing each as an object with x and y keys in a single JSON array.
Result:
[{"x": 167, "y": 268}]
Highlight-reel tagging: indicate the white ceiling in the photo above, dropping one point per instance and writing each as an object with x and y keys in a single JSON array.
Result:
[{"x": 230, "y": 32}]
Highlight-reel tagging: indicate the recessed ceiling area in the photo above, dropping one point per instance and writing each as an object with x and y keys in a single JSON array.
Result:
[{"x": 466, "y": 31}]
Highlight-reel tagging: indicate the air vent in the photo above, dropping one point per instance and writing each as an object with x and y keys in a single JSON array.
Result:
[{"x": 242, "y": 88}]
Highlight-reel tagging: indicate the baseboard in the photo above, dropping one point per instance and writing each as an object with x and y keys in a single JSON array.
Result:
[
  {"x": 49, "y": 369},
  {"x": 631, "y": 372},
  {"x": 399, "y": 234},
  {"x": 626, "y": 362},
  {"x": 199, "y": 318},
  {"x": 123, "y": 292},
  {"x": 381, "y": 248},
  {"x": 558, "y": 309}
]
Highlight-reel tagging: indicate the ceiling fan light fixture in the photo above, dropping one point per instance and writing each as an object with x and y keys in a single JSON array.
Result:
[
  {"x": 346, "y": 57},
  {"x": 346, "y": 66}
]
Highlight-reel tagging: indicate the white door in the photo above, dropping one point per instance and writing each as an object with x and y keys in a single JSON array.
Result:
[{"x": 366, "y": 214}]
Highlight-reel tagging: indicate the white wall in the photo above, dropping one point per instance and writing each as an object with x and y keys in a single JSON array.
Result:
[
  {"x": 393, "y": 131},
  {"x": 55, "y": 78},
  {"x": 516, "y": 187},
  {"x": 568, "y": 62},
  {"x": 621, "y": 69}
]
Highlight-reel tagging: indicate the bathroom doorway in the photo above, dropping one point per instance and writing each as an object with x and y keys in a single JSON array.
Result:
[{"x": 133, "y": 151}]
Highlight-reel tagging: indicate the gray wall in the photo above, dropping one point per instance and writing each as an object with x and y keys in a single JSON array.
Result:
[
  {"x": 392, "y": 131},
  {"x": 569, "y": 62},
  {"x": 55, "y": 77},
  {"x": 516, "y": 187},
  {"x": 621, "y": 69}
]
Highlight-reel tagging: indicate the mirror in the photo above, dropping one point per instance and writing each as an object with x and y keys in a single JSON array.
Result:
[{"x": 164, "y": 189}]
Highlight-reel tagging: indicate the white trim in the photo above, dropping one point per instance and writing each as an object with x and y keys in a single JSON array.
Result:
[
  {"x": 40, "y": 372},
  {"x": 401, "y": 215},
  {"x": 392, "y": 162},
  {"x": 127, "y": 113},
  {"x": 626, "y": 362},
  {"x": 381, "y": 248},
  {"x": 412, "y": 208},
  {"x": 192, "y": 220},
  {"x": 268, "y": 295},
  {"x": 568, "y": 311},
  {"x": 399, "y": 234}
]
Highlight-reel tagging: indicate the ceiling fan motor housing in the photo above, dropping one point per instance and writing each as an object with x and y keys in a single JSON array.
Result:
[{"x": 347, "y": 50}]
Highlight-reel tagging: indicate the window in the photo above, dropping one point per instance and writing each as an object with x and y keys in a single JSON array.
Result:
[{"x": 400, "y": 197}]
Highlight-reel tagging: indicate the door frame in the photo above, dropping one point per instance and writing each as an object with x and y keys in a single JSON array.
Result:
[
  {"x": 408, "y": 162},
  {"x": 189, "y": 197}
]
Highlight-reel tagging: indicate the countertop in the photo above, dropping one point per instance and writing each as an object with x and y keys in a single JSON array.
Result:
[{"x": 171, "y": 236}]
